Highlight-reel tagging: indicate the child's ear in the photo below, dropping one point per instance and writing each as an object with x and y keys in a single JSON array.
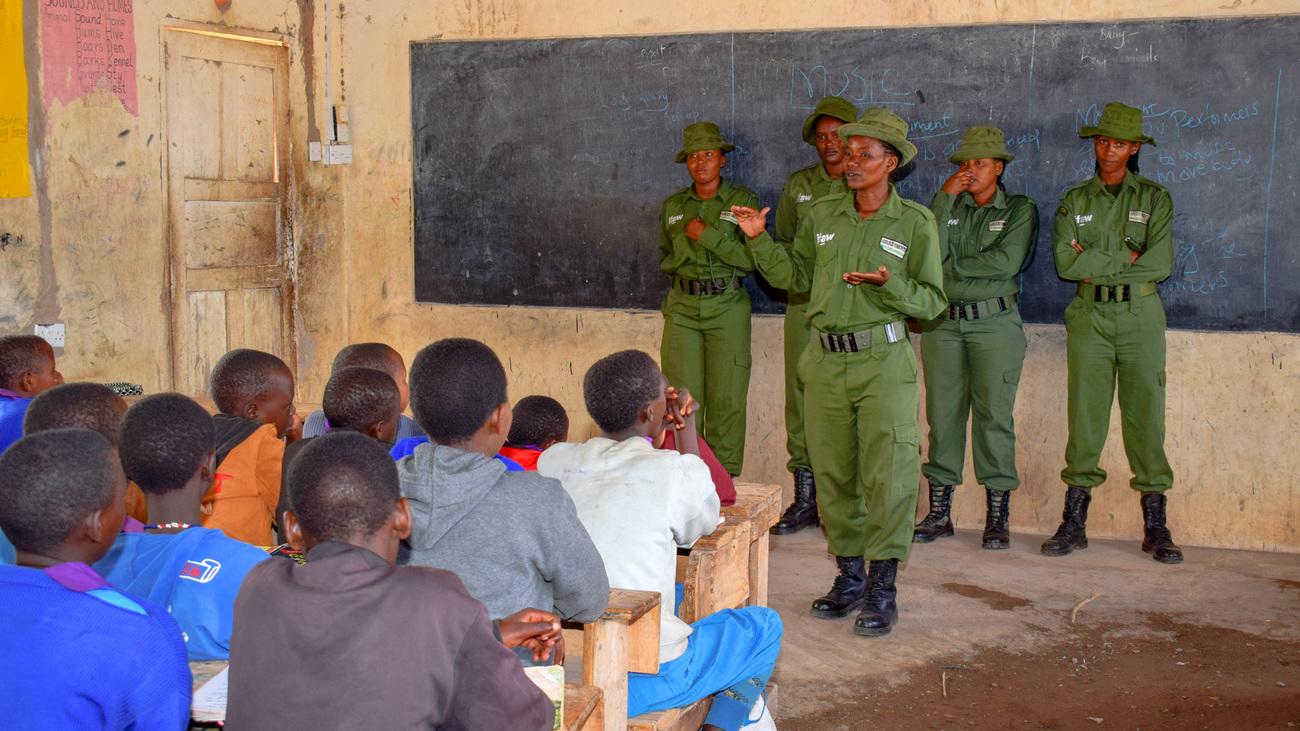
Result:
[
  {"x": 208, "y": 468},
  {"x": 501, "y": 419},
  {"x": 402, "y": 519},
  {"x": 249, "y": 411},
  {"x": 293, "y": 531}
]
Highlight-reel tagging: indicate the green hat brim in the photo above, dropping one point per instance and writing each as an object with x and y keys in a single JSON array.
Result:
[
  {"x": 1114, "y": 135},
  {"x": 724, "y": 146},
  {"x": 833, "y": 107},
  {"x": 882, "y": 133},
  {"x": 976, "y": 154}
]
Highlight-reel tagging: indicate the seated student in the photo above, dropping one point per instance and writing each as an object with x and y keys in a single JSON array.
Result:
[
  {"x": 356, "y": 399},
  {"x": 168, "y": 447},
  {"x": 26, "y": 369},
  {"x": 92, "y": 406},
  {"x": 347, "y": 640},
  {"x": 640, "y": 504},
  {"x": 76, "y": 652},
  {"x": 381, "y": 357},
  {"x": 538, "y": 422},
  {"x": 513, "y": 537},
  {"x": 254, "y": 392}
]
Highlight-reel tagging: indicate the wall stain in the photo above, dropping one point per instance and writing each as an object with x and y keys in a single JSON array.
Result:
[{"x": 47, "y": 307}]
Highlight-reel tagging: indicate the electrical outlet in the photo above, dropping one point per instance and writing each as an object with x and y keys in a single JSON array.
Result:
[
  {"x": 338, "y": 154},
  {"x": 53, "y": 334},
  {"x": 313, "y": 152}
]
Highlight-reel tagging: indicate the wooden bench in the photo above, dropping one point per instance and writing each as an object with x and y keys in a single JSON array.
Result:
[
  {"x": 716, "y": 570},
  {"x": 761, "y": 506}
]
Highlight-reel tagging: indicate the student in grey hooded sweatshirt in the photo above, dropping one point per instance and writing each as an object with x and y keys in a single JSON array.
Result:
[{"x": 513, "y": 538}]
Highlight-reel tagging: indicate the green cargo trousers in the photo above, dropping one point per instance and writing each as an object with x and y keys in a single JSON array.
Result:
[
  {"x": 705, "y": 349},
  {"x": 796, "y": 342},
  {"x": 972, "y": 368},
  {"x": 1105, "y": 339},
  {"x": 864, "y": 441}
]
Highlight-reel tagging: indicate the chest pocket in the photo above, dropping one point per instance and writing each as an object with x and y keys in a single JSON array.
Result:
[
  {"x": 1135, "y": 232},
  {"x": 877, "y": 252},
  {"x": 827, "y": 250}
]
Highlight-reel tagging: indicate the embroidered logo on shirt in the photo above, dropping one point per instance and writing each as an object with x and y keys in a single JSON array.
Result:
[
  {"x": 727, "y": 216},
  {"x": 803, "y": 198},
  {"x": 954, "y": 221},
  {"x": 997, "y": 225},
  {"x": 823, "y": 239},
  {"x": 675, "y": 219},
  {"x": 1138, "y": 216},
  {"x": 896, "y": 248},
  {"x": 201, "y": 571},
  {"x": 1081, "y": 219}
]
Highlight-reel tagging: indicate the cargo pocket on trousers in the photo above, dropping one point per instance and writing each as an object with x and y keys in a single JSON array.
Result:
[{"x": 906, "y": 470}]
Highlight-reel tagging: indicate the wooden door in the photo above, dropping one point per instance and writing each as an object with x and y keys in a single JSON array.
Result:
[{"x": 227, "y": 131}]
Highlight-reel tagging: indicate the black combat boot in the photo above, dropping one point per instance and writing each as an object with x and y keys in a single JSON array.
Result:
[
  {"x": 938, "y": 522},
  {"x": 880, "y": 612},
  {"x": 802, "y": 513},
  {"x": 1156, "y": 539},
  {"x": 997, "y": 534},
  {"x": 1071, "y": 535},
  {"x": 847, "y": 593}
]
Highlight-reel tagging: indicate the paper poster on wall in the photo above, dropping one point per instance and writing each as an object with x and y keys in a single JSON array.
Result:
[
  {"x": 14, "y": 173},
  {"x": 86, "y": 44}
]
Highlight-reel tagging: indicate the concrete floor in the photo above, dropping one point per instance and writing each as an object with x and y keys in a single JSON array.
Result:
[{"x": 955, "y": 598}]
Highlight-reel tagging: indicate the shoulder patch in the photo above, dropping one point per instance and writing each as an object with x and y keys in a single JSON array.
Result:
[{"x": 1062, "y": 212}]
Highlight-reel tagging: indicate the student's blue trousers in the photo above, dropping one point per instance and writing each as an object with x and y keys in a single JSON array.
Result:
[{"x": 730, "y": 653}]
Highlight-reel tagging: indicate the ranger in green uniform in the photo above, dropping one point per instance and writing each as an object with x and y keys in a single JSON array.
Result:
[
  {"x": 1113, "y": 235},
  {"x": 870, "y": 259},
  {"x": 974, "y": 351},
  {"x": 806, "y": 186},
  {"x": 705, "y": 345}
]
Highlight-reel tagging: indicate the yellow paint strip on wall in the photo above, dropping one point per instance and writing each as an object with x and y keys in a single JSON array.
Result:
[{"x": 14, "y": 173}]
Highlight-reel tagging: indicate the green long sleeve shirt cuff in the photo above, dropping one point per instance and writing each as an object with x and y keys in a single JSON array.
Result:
[{"x": 774, "y": 262}]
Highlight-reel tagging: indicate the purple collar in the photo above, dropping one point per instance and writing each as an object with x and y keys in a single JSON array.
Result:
[
  {"x": 10, "y": 395},
  {"x": 76, "y": 576}
]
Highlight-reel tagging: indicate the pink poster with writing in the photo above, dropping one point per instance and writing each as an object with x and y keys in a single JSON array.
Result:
[{"x": 86, "y": 44}]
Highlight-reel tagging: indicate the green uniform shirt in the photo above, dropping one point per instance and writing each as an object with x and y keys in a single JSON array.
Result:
[
  {"x": 1110, "y": 227},
  {"x": 834, "y": 240},
  {"x": 805, "y": 187},
  {"x": 720, "y": 253},
  {"x": 983, "y": 246}
]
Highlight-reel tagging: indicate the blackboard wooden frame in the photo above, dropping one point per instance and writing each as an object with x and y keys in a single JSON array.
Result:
[{"x": 540, "y": 166}]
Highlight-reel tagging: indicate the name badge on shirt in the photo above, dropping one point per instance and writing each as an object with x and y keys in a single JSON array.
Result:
[
  {"x": 895, "y": 248},
  {"x": 727, "y": 216},
  {"x": 997, "y": 225},
  {"x": 1138, "y": 216}
]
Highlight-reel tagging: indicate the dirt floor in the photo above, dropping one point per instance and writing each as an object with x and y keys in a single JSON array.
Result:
[{"x": 986, "y": 640}]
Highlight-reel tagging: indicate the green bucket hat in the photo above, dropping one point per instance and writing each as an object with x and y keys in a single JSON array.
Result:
[
  {"x": 978, "y": 143},
  {"x": 1119, "y": 122},
  {"x": 831, "y": 106},
  {"x": 885, "y": 126},
  {"x": 702, "y": 136}
]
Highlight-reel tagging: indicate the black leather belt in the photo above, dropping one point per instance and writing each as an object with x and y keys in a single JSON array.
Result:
[{"x": 707, "y": 286}]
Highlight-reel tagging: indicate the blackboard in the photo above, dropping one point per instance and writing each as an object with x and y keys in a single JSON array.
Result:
[{"x": 540, "y": 165}]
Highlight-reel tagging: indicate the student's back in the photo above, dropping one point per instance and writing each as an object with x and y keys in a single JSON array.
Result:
[
  {"x": 87, "y": 658},
  {"x": 196, "y": 574},
  {"x": 76, "y": 652},
  {"x": 348, "y": 640},
  {"x": 514, "y": 538}
]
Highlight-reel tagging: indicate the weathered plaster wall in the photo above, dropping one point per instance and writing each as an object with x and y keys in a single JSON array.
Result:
[
  {"x": 1236, "y": 468},
  {"x": 94, "y": 248}
]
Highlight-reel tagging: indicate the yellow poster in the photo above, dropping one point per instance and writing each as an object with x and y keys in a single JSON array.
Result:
[{"x": 14, "y": 174}]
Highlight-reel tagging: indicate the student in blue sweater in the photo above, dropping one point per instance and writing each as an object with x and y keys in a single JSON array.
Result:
[
  {"x": 26, "y": 369},
  {"x": 168, "y": 448},
  {"x": 76, "y": 652}
]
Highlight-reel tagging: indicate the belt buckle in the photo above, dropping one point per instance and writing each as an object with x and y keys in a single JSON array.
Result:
[
  {"x": 955, "y": 312},
  {"x": 1123, "y": 293}
]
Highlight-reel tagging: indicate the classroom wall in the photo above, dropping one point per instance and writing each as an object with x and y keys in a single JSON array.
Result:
[{"x": 94, "y": 250}]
